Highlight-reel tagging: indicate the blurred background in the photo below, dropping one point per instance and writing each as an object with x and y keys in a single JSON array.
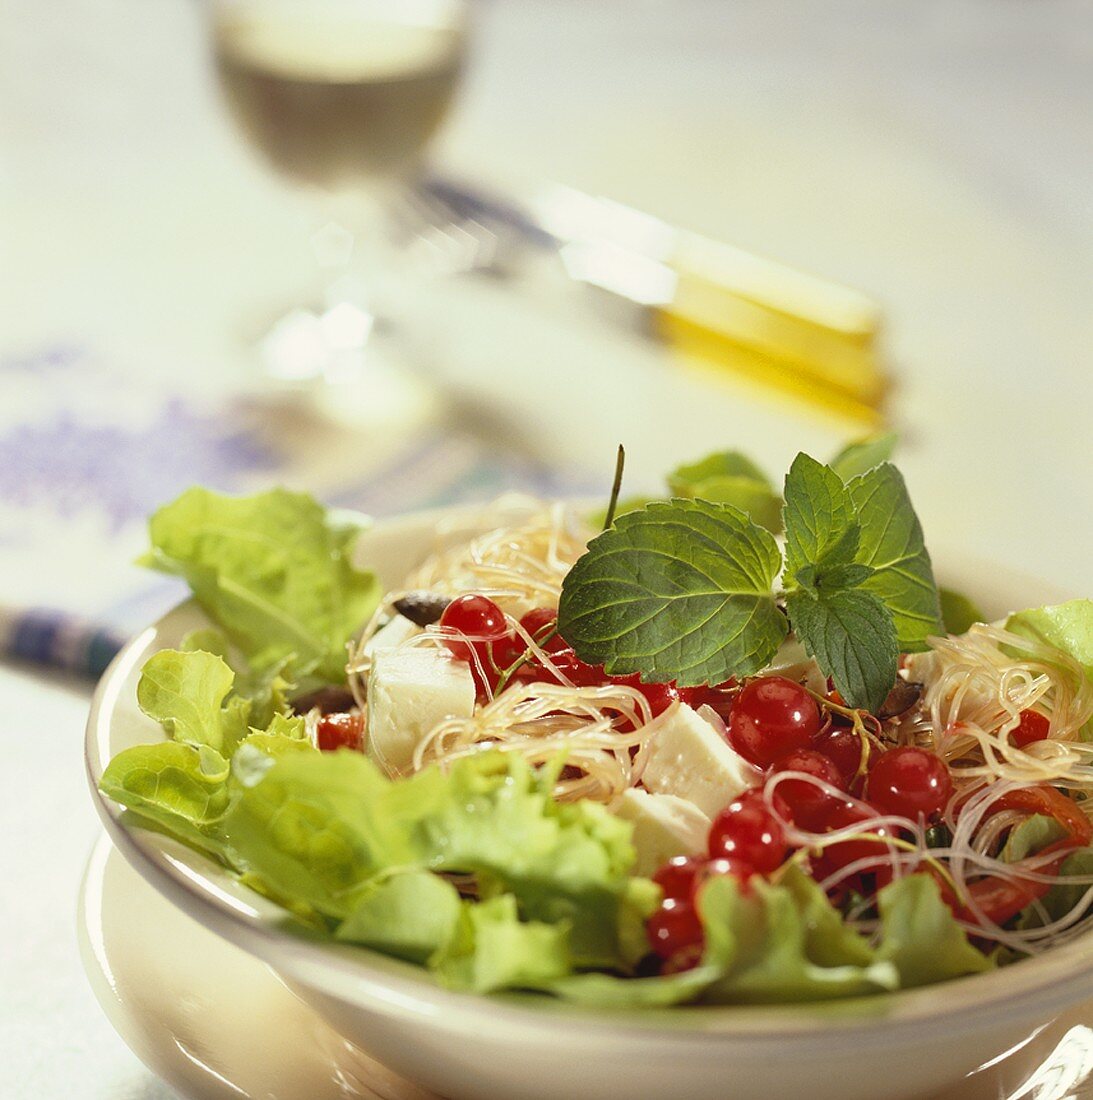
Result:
[{"x": 404, "y": 252}]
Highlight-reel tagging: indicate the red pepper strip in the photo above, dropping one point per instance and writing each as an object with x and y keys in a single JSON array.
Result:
[
  {"x": 341, "y": 730},
  {"x": 1052, "y": 803},
  {"x": 999, "y": 899}
]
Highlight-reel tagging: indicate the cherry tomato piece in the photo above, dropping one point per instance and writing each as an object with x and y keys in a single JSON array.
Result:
[
  {"x": 344, "y": 729},
  {"x": 1032, "y": 727},
  {"x": 678, "y": 878}
]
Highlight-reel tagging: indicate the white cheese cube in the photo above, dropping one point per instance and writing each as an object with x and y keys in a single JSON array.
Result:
[
  {"x": 792, "y": 662},
  {"x": 410, "y": 692},
  {"x": 391, "y": 635},
  {"x": 664, "y": 826},
  {"x": 690, "y": 759}
]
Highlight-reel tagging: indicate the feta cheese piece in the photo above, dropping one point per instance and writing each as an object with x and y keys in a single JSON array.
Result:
[
  {"x": 664, "y": 826},
  {"x": 410, "y": 692},
  {"x": 391, "y": 635},
  {"x": 690, "y": 759},
  {"x": 792, "y": 662}
]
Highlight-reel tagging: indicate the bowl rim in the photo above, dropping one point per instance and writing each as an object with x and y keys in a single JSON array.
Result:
[{"x": 366, "y": 978}]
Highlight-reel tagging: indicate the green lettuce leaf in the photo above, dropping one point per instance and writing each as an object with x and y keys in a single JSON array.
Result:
[
  {"x": 411, "y": 915},
  {"x": 1067, "y": 627},
  {"x": 1061, "y": 898},
  {"x": 1029, "y": 837},
  {"x": 790, "y": 945},
  {"x": 678, "y": 591},
  {"x": 178, "y": 789},
  {"x": 492, "y": 949},
  {"x": 185, "y": 693},
  {"x": 320, "y": 827},
  {"x": 921, "y": 938},
  {"x": 272, "y": 570},
  {"x": 728, "y": 477},
  {"x": 779, "y": 942}
]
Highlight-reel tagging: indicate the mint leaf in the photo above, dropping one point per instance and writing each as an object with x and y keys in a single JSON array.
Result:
[
  {"x": 819, "y": 514},
  {"x": 862, "y": 455},
  {"x": 680, "y": 590},
  {"x": 848, "y": 575},
  {"x": 851, "y": 635},
  {"x": 958, "y": 613},
  {"x": 728, "y": 477},
  {"x": 891, "y": 542}
]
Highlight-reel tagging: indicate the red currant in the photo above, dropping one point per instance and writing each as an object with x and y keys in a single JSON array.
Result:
[
  {"x": 506, "y": 651},
  {"x": 845, "y": 852},
  {"x": 659, "y": 696},
  {"x": 747, "y": 830},
  {"x": 808, "y": 804},
  {"x": 674, "y": 928},
  {"x": 843, "y": 747},
  {"x": 772, "y": 716},
  {"x": 482, "y": 620},
  {"x": 340, "y": 730},
  {"x": 540, "y": 622},
  {"x": 718, "y": 697},
  {"x": 678, "y": 878},
  {"x": 681, "y": 878},
  {"x": 1032, "y": 727},
  {"x": 910, "y": 782}
]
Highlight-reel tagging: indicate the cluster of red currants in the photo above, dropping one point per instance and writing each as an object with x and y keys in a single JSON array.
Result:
[
  {"x": 776, "y": 725},
  {"x": 495, "y": 649}
]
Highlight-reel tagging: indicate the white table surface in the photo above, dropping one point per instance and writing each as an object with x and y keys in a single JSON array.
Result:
[{"x": 935, "y": 154}]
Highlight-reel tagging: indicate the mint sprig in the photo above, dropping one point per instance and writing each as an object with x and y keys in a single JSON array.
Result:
[{"x": 682, "y": 589}]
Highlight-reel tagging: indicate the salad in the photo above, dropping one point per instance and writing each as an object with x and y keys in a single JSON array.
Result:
[{"x": 728, "y": 746}]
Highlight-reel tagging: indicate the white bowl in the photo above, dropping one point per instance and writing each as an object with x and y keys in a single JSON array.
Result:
[{"x": 465, "y": 1047}]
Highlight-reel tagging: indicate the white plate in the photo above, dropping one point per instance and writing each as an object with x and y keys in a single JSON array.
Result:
[{"x": 522, "y": 1048}]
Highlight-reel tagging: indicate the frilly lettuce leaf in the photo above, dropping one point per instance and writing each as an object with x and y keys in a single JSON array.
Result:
[
  {"x": 1067, "y": 627},
  {"x": 493, "y": 949},
  {"x": 920, "y": 936},
  {"x": 788, "y": 944},
  {"x": 411, "y": 915},
  {"x": 185, "y": 693},
  {"x": 181, "y": 790},
  {"x": 183, "y": 787},
  {"x": 322, "y": 827},
  {"x": 272, "y": 570}
]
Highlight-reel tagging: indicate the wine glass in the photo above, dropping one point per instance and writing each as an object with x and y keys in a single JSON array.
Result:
[{"x": 342, "y": 96}]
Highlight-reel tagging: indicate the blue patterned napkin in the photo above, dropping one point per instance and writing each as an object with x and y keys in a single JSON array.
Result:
[{"x": 88, "y": 450}]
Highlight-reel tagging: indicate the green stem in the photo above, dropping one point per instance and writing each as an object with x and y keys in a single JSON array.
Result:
[{"x": 616, "y": 488}]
